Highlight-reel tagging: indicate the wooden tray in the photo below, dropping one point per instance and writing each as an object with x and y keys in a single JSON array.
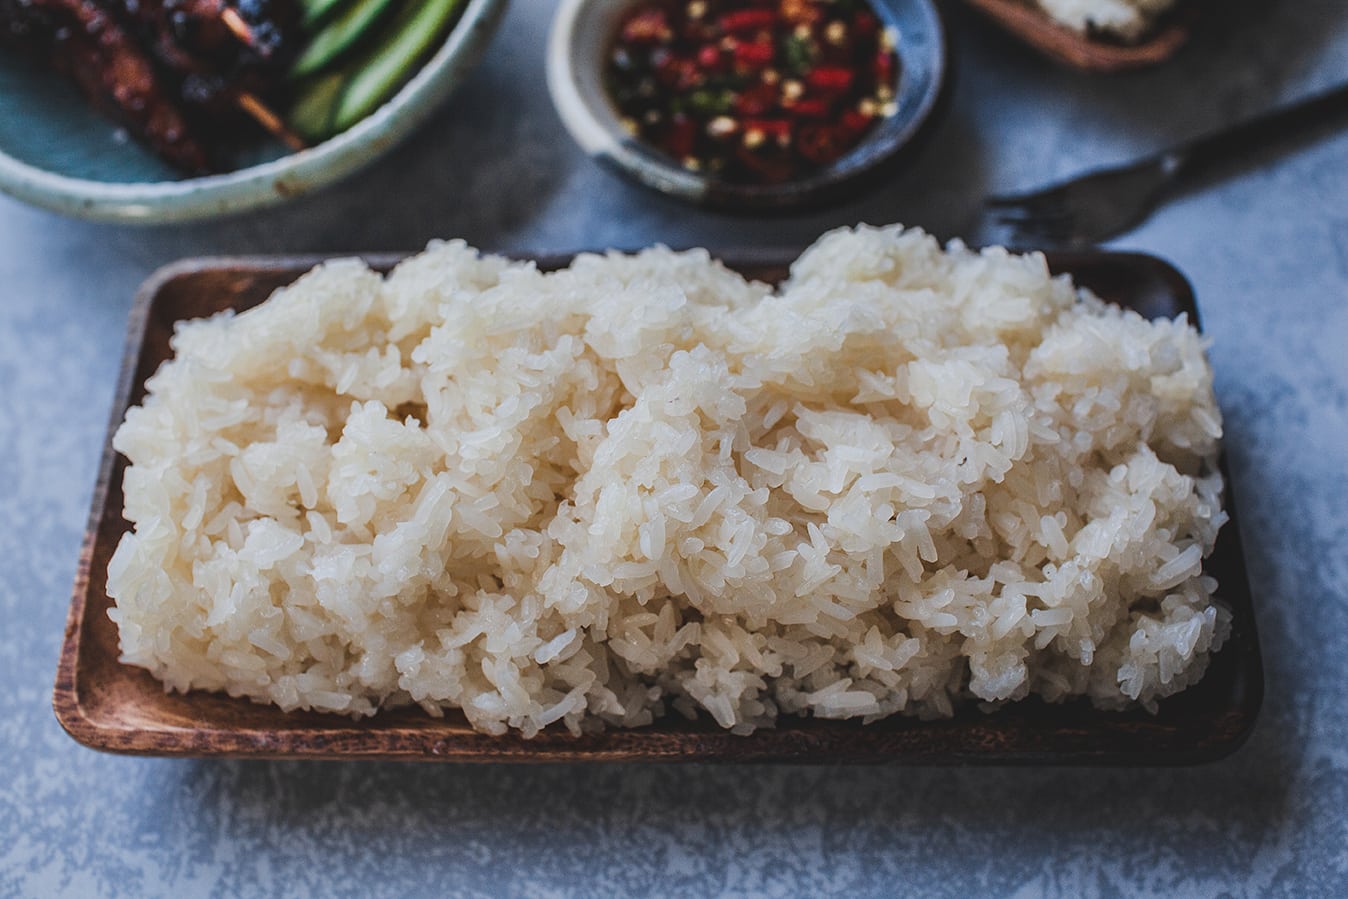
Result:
[
  {"x": 1060, "y": 43},
  {"x": 106, "y": 705}
]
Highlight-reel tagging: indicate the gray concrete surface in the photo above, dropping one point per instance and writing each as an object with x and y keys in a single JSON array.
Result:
[{"x": 1267, "y": 249}]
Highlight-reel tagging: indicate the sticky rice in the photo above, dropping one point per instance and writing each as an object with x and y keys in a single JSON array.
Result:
[
  {"x": 908, "y": 478},
  {"x": 1126, "y": 19}
]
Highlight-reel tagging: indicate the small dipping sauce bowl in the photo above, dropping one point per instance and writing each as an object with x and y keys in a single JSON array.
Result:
[{"x": 581, "y": 44}]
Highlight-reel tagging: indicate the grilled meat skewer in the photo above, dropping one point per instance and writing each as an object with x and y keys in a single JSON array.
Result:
[
  {"x": 225, "y": 80},
  {"x": 214, "y": 35},
  {"x": 83, "y": 40},
  {"x": 178, "y": 74}
]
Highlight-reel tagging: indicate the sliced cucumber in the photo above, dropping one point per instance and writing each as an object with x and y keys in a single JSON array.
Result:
[
  {"x": 401, "y": 50},
  {"x": 314, "y": 12},
  {"x": 315, "y": 106},
  {"x": 339, "y": 36}
]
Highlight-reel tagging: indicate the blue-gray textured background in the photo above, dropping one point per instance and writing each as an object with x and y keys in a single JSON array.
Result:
[{"x": 1267, "y": 250}]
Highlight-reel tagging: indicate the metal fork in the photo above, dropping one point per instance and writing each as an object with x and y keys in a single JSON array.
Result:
[{"x": 1101, "y": 204}]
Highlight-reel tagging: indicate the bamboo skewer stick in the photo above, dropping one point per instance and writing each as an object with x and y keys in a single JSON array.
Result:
[
  {"x": 250, "y": 103},
  {"x": 231, "y": 19},
  {"x": 264, "y": 116}
]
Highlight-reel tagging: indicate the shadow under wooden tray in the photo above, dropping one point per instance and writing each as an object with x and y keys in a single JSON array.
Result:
[{"x": 109, "y": 706}]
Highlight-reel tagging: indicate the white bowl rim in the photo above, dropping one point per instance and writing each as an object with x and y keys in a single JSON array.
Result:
[{"x": 268, "y": 183}]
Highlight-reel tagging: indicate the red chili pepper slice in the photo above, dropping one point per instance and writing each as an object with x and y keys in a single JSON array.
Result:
[
  {"x": 821, "y": 144},
  {"x": 756, "y": 101},
  {"x": 831, "y": 78},
  {"x": 679, "y": 73},
  {"x": 883, "y": 68},
  {"x": 813, "y": 108},
  {"x": 754, "y": 55},
  {"x": 770, "y": 169},
  {"x": 743, "y": 21},
  {"x": 856, "y": 121},
  {"x": 680, "y": 138}
]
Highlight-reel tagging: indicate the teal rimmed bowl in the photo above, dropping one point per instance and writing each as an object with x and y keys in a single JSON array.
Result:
[{"x": 57, "y": 153}]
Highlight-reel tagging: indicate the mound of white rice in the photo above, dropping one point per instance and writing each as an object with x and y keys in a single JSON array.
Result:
[
  {"x": 907, "y": 479},
  {"x": 1126, "y": 19}
]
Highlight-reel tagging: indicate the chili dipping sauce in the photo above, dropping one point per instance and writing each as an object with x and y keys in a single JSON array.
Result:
[{"x": 752, "y": 91}]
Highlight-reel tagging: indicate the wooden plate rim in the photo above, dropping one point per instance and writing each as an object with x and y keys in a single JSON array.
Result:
[
  {"x": 1036, "y": 28},
  {"x": 963, "y": 741}
]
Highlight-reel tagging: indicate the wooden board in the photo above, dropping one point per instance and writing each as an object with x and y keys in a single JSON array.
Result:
[
  {"x": 1060, "y": 43},
  {"x": 110, "y": 706}
]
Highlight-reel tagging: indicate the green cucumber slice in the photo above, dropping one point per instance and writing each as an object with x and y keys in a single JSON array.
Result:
[
  {"x": 339, "y": 36},
  {"x": 394, "y": 59},
  {"x": 312, "y": 12},
  {"x": 315, "y": 106}
]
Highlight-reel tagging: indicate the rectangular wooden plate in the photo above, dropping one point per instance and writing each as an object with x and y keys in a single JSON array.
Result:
[
  {"x": 109, "y": 706},
  {"x": 1091, "y": 54}
]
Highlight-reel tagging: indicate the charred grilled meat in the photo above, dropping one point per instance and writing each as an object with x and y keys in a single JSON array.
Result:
[
  {"x": 172, "y": 72},
  {"x": 83, "y": 40},
  {"x": 222, "y": 57},
  {"x": 212, "y": 35}
]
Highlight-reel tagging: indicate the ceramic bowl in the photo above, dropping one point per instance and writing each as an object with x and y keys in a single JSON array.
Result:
[
  {"x": 57, "y": 153},
  {"x": 578, "y": 45}
]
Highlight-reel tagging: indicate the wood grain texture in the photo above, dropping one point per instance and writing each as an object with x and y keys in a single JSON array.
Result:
[
  {"x": 1061, "y": 44},
  {"x": 109, "y": 706}
]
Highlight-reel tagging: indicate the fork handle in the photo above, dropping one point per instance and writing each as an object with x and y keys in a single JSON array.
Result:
[{"x": 1253, "y": 135}]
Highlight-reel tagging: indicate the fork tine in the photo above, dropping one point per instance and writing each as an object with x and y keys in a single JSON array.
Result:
[
  {"x": 1022, "y": 199},
  {"x": 1018, "y": 240},
  {"x": 1094, "y": 206},
  {"x": 1035, "y": 231},
  {"x": 1004, "y": 200},
  {"x": 1057, "y": 221},
  {"x": 1040, "y": 204},
  {"x": 1014, "y": 215},
  {"x": 1045, "y": 234}
]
